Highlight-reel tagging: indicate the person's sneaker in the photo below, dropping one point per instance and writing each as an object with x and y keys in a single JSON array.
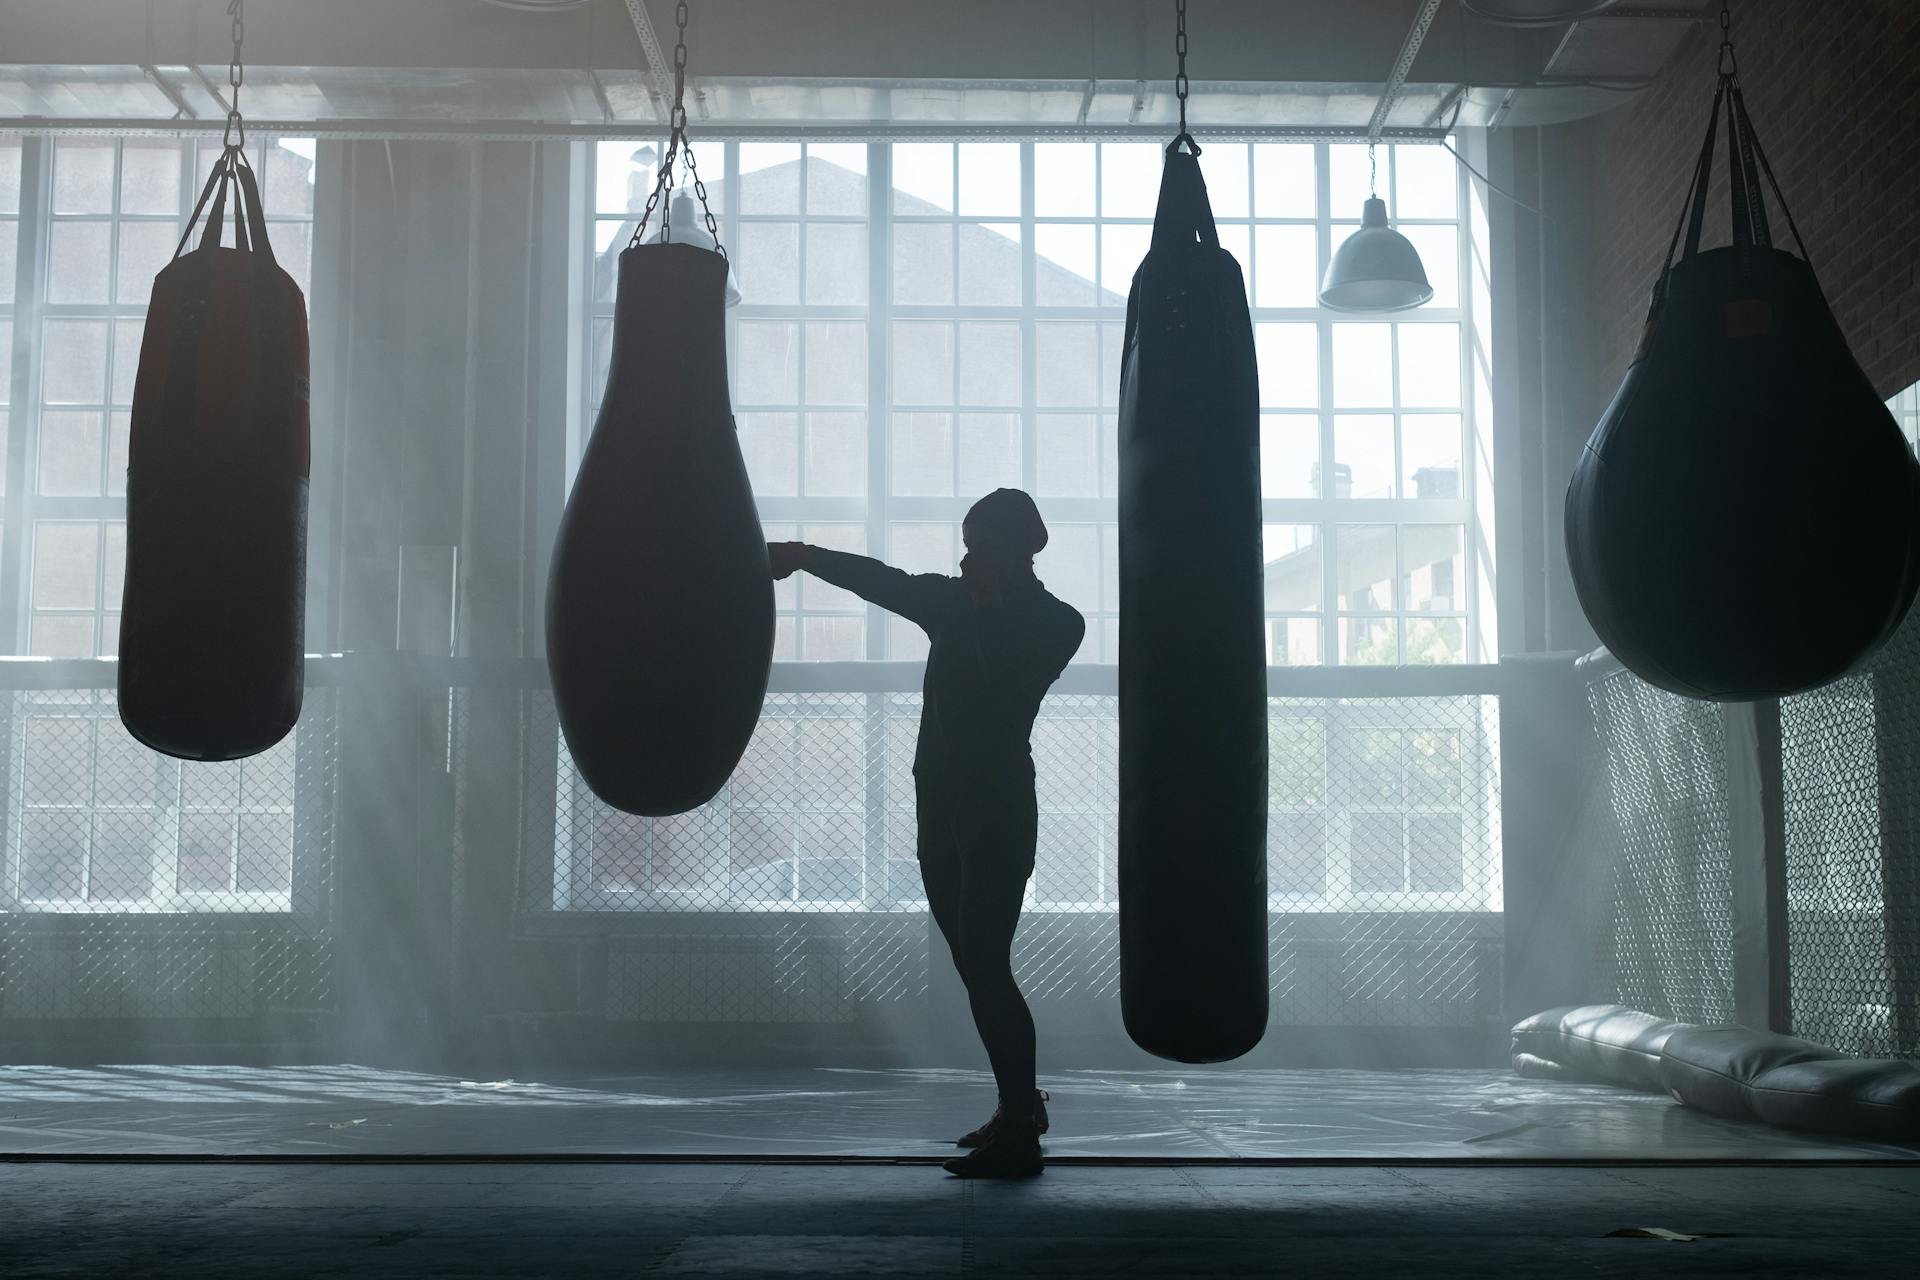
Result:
[
  {"x": 984, "y": 1134},
  {"x": 1012, "y": 1152}
]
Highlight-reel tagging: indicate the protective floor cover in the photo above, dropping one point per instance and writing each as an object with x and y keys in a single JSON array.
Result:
[{"x": 1213, "y": 1114}]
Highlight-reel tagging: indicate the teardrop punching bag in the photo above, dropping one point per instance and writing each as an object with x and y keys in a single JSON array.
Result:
[
  {"x": 213, "y": 609},
  {"x": 1741, "y": 523},
  {"x": 660, "y": 599},
  {"x": 1193, "y": 697}
]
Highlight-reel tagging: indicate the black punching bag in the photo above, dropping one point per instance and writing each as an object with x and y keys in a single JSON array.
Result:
[
  {"x": 213, "y": 610},
  {"x": 660, "y": 601},
  {"x": 1193, "y": 696},
  {"x": 1741, "y": 524}
]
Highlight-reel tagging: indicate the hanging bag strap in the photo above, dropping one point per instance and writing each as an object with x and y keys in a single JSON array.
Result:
[
  {"x": 232, "y": 178},
  {"x": 1760, "y": 155},
  {"x": 1693, "y": 207},
  {"x": 1184, "y": 213},
  {"x": 256, "y": 212}
]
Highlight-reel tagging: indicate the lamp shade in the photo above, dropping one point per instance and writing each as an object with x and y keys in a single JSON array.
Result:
[
  {"x": 689, "y": 227},
  {"x": 1534, "y": 13},
  {"x": 1375, "y": 268}
]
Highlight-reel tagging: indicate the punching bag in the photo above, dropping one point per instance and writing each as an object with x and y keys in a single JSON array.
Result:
[
  {"x": 1741, "y": 523},
  {"x": 1193, "y": 696},
  {"x": 213, "y": 610},
  {"x": 660, "y": 599}
]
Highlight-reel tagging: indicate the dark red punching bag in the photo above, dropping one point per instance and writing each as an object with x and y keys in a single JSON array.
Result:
[
  {"x": 1741, "y": 524},
  {"x": 660, "y": 600},
  {"x": 214, "y": 606},
  {"x": 1193, "y": 696}
]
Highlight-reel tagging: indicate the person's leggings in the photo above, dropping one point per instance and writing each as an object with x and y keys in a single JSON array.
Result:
[{"x": 976, "y": 845}]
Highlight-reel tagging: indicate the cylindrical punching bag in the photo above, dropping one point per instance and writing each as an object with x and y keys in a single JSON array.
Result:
[
  {"x": 1741, "y": 524},
  {"x": 660, "y": 601},
  {"x": 1193, "y": 698},
  {"x": 213, "y": 612}
]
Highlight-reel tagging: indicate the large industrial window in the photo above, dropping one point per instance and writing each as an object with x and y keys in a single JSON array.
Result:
[
  {"x": 924, "y": 321},
  {"x": 95, "y": 821}
]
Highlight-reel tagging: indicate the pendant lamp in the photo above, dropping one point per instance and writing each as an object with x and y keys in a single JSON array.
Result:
[
  {"x": 1375, "y": 268},
  {"x": 682, "y": 223},
  {"x": 1534, "y": 13}
]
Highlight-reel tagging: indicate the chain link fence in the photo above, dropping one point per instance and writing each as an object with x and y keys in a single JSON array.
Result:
[
  {"x": 1852, "y": 826},
  {"x": 140, "y": 886},
  {"x": 795, "y": 895},
  {"x": 1671, "y": 848}
]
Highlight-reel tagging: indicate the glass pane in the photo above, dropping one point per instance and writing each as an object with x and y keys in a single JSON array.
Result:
[
  {"x": 768, "y": 367},
  {"x": 816, "y": 595},
  {"x": 1348, "y": 180},
  {"x": 1129, "y": 179},
  {"x": 1113, "y": 338},
  {"x": 1289, "y": 455},
  {"x": 837, "y": 362},
  {"x": 150, "y": 176},
  {"x": 6, "y": 360},
  {"x": 990, "y": 363},
  {"x": 55, "y": 635},
  {"x": 1439, "y": 249},
  {"x": 923, "y": 454},
  {"x": 920, "y": 547},
  {"x": 1436, "y": 640},
  {"x": 204, "y": 860},
  {"x": 1425, "y": 182},
  {"x": 126, "y": 774},
  {"x": 126, "y": 357},
  {"x": 922, "y": 363},
  {"x": 990, "y": 264},
  {"x": 9, "y": 174},
  {"x": 145, "y": 247},
  {"x": 623, "y": 174},
  {"x": 118, "y": 427},
  {"x": 769, "y": 177},
  {"x": 76, "y": 362},
  {"x": 1363, "y": 456},
  {"x": 1110, "y": 456},
  {"x": 1121, "y": 249},
  {"x": 65, "y": 564},
  {"x": 1066, "y": 456},
  {"x": 1294, "y": 567},
  {"x": 1368, "y": 642},
  {"x": 1293, "y": 642},
  {"x": 923, "y": 263},
  {"x": 602, "y": 357},
  {"x": 1430, "y": 365},
  {"x": 1283, "y": 180},
  {"x": 77, "y": 262},
  {"x": 9, "y": 251},
  {"x": 837, "y": 179},
  {"x": 1286, "y": 266},
  {"x": 833, "y": 639},
  {"x": 1065, "y": 264},
  {"x": 836, "y": 455},
  {"x": 289, "y": 177},
  {"x": 70, "y": 453},
  {"x": 1289, "y": 359},
  {"x": 770, "y": 444},
  {"x": 1063, "y": 179},
  {"x": 53, "y": 856},
  {"x": 82, "y": 175},
  {"x": 990, "y": 179},
  {"x": 1070, "y": 565},
  {"x": 770, "y": 263},
  {"x": 1430, "y": 455},
  {"x": 922, "y": 177},
  {"x": 1363, "y": 365},
  {"x": 1065, "y": 365},
  {"x": 59, "y": 760},
  {"x": 837, "y": 264},
  {"x": 1224, "y": 166},
  {"x": 267, "y": 778},
  {"x": 1433, "y": 562},
  {"x": 1366, "y": 567},
  {"x": 989, "y": 452}
]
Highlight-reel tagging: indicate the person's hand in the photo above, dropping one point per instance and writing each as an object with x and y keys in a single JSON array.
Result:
[{"x": 785, "y": 557}]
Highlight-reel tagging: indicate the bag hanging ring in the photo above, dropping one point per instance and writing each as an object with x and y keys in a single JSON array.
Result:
[{"x": 1180, "y": 80}]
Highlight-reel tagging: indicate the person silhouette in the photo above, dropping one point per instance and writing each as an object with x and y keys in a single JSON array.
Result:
[{"x": 998, "y": 640}]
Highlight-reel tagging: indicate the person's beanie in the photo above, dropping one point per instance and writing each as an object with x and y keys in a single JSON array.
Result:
[{"x": 1012, "y": 515}]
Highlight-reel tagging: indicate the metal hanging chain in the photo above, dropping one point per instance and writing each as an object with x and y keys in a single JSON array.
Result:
[
  {"x": 235, "y": 137},
  {"x": 1729, "y": 64},
  {"x": 1373, "y": 172},
  {"x": 678, "y": 148},
  {"x": 1180, "y": 50}
]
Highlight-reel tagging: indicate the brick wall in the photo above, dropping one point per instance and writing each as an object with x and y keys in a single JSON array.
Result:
[{"x": 1833, "y": 87}]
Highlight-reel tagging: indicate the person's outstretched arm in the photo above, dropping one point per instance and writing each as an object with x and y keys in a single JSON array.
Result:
[{"x": 917, "y": 597}]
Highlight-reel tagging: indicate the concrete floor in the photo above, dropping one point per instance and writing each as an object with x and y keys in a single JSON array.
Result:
[{"x": 379, "y": 1220}]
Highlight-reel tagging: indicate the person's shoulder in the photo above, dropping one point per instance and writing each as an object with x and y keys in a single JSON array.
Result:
[{"x": 1067, "y": 615}]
